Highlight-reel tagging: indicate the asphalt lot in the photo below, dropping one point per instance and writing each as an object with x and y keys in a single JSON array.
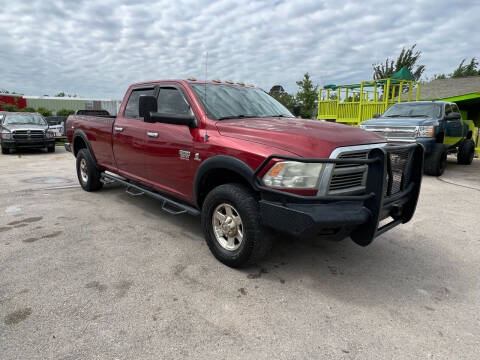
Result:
[{"x": 109, "y": 276}]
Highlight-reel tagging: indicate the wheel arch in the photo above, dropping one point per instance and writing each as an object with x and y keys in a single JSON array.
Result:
[
  {"x": 80, "y": 141},
  {"x": 440, "y": 137},
  {"x": 218, "y": 170}
]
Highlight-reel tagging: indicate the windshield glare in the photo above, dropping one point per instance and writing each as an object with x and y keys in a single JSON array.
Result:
[
  {"x": 228, "y": 102},
  {"x": 24, "y": 119},
  {"x": 414, "y": 110}
]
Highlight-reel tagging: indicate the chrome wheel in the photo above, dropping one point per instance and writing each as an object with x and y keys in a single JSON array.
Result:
[
  {"x": 227, "y": 227},
  {"x": 84, "y": 170}
]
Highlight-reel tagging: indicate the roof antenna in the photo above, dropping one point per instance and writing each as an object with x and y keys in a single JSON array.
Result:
[{"x": 205, "y": 92}]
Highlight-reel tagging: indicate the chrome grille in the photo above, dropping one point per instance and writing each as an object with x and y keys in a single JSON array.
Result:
[
  {"x": 349, "y": 178},
  {"x": 346, "y": 181},
  {"x": 28, "y": 134},
  {"x": 394, "y": 132},
  {"x": 352, "y": 155}
]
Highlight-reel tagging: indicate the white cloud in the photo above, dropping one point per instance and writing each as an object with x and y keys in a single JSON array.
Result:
[{"x": 97, "y": 49}]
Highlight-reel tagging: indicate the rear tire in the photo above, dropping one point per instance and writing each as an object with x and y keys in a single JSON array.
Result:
[
  {"x": 466, "y": 152},
  {"x": 51, "y": 149},
  {"x": 5, "y": 151},
  {"x": 232, "y": 226},
  {"x": 87, "y": 172},
  {"x": 436, "y": 161}
]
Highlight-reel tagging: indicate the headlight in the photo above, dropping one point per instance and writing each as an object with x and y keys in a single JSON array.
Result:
[
  {"x": 49, "y": 134},
  {"x": 293, "y": 175},
  {"x": 6, "y": 135},
  {"x": 425, "y": 131}
]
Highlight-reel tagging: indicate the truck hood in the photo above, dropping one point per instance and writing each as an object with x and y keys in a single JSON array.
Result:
[
  {"x": 400, "y": 121},
  {"x": 306, "y": 138},
  {"x": 13, "y": 127}
]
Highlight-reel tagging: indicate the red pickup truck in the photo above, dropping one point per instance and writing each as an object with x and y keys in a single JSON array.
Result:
[{"x": 237, "y": 157}]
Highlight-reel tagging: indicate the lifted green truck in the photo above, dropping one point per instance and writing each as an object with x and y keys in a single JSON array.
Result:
[{"x": 437, "y": 125}]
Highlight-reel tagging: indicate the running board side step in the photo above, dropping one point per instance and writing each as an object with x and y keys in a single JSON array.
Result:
[{"x": 171, "y": 206}]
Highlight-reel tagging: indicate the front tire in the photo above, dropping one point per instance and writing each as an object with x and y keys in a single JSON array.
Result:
[
  {"x": 51, "y": 149},
  {"x": 5, "y": 151},
  {"x": 87, "y": 172},
  {"x": 466, "y": 152},
  {"x": 232, "y": 227},
  {"x": 436, "y": 161}
]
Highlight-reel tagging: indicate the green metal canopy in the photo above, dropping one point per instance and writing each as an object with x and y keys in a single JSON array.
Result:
[{"x": 402, "y": 74}]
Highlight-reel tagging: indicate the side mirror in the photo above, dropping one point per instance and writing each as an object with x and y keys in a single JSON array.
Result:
[
  {"x": 453, "y": 116},
  {"x": 146, "y": 105},
  {"x": 376, "y": 116},
  {"x": 297, "y": 109},
  {"x": 175, "y": 119}
]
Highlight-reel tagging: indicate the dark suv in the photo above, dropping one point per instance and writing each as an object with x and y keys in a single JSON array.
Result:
[
  {"x": 437, "y": 125},
  {"x": 19, "y": 130}
]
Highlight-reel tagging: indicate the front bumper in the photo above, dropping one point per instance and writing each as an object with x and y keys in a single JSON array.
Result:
[
  {"x": 428, "y": 144},
  {"x": 357, "y": 216},
  {"x": 27, "y": 143}
]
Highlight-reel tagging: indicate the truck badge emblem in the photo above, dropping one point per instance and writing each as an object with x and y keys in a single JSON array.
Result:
[
  {"x": 197, "y": 157},
  {"x": 184, "y": 154}
]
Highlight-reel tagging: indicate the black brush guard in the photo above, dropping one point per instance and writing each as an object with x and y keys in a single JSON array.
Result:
[{"x": 392, "y": 189}]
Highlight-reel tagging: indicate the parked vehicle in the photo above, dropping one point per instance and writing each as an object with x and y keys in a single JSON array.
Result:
[
  {"x": 20, "y": 130},
  {"x": 238, "y": 158},
  {"x": 437, "y": 125},
  {"x": 57, "y": 125}
]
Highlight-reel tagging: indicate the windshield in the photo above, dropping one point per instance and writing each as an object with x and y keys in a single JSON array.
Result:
[
  {"x": 414, "y": 110},
  {"x": 231, "y": 102},
  {"x": 24, "y": 119}
]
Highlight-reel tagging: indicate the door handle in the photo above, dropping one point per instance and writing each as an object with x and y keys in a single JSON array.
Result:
[
  {"x": 119, "y": 129},
  {"x": 152, "y": 134}
]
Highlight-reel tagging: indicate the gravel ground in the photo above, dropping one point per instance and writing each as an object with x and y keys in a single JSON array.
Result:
[{"x": 109, "y": 276}]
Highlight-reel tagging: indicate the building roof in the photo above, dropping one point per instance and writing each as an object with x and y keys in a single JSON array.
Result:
[
  {"x": 46, "y": 97},
  {"x": 448, "y": 88}
]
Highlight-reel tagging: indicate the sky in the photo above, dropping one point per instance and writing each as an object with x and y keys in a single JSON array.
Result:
[{"x": 95, "y": 49}]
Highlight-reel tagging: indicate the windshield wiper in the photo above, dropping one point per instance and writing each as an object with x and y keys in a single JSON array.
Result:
[
  {"x": 277, "y": 115},
  {"x": 393, "y": 115},
  {"x": 241, "y": 116},
  {"x": 418, "y": 116}
]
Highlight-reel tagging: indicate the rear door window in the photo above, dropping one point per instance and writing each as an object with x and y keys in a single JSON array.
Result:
[{"x": 131, "y": 110}]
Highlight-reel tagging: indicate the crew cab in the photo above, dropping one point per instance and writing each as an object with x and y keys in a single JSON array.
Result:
[
  {"x": 437, "y": 125},
  {"x": 20, "y": 130},
  {"x": 241, "y": 160}
]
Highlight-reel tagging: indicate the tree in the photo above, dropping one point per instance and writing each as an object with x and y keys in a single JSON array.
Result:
[
  {"x": 440, "y": 76},
  {"x": 307, "y": 96},
  {"x": 408, "y": 58},
  {"x": 65, "y": 112},
  {"x": 63, "y": 94},
  {"x": 284, "y": 98},
  {"x": 469, "y": 69},
  {"x": 9, "y": 107},
  {"x": 5, "y": 91},
  {"x": 43, "y": 111}
]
